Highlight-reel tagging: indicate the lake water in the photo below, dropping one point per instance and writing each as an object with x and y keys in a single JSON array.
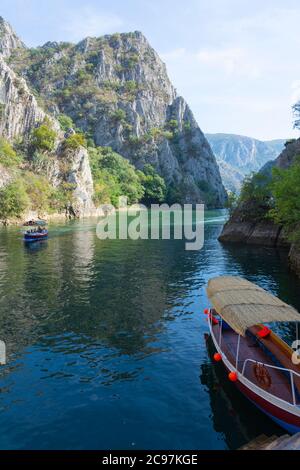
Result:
[{"x": 106, "y": 341}]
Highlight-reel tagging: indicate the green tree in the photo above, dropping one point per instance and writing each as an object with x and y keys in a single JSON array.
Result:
[
  {"x": 130, "y": 86},
  {"x": 62, "y": 197},
  {"x": 75, "y": 141},
  {"x": 285, "y": 188},
  {"x": 39, "y": 191},
  {"x": 8, "y": 156},
  {"x": 14, "y": 200},
  {"x": 296, "y": 110},
  {"x": 119, "y": 115},
  {"x": 232, "y": 202},
  {"x": 256, "y": 199},
  {"x": 172, "y": 125},
  {"x": 114, "y": 176},
  {"x": 155, "y": 189},
  {"x": 65, "y": 122},
  {"x": 43, "y": 137}
]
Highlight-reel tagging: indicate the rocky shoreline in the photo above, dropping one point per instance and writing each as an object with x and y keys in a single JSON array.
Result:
[
  {"x": 264, "y": 233},
  {"x": 252, "y": 233}
]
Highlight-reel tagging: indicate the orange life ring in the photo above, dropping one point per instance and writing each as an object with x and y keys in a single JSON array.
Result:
[{"x": 262, "y": 375}]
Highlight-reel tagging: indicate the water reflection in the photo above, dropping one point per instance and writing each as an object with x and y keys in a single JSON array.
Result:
[
  {"x": 111, "y": 332},
  {"x": 231, "y": 411},
  {"x": 113, "y": 292}
]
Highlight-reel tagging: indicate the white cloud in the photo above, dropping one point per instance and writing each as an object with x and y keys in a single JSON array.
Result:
[
  {"x": 229, "y": 61},
  {"x": 272, "y": 20},
  {"x": 175, "y": 54},
  {"x": 89, "y": 22},
  {"x": 233, "y": 61}
]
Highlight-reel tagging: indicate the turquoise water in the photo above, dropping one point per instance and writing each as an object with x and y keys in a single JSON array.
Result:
[{"x": 106, "y": 344}]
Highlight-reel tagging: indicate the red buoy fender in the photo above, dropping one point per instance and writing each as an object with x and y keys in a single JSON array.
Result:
[
  {"x": 217, "y": 357},
  {"x": 264, "y": 332},
  {"x": 213, "y": 319},
  {"x": 233, "y": 376}
]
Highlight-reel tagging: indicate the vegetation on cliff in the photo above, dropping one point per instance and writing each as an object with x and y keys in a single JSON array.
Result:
[
  {"x": 114, "y": 176},
  {"x": 285, "y": 189},
  {"x": 29, "y": 189},
  {"x": 274, "y": 196},
  {"x": 8, "y": 156}
]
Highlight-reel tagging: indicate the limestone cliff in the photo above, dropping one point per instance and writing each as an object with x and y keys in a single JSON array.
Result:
[
  {"x": 9, "y": 41},
  {"x": 20, "y": 113},
  {"x": 116, "y": 89},
  {"x": 19, "y": 109}
]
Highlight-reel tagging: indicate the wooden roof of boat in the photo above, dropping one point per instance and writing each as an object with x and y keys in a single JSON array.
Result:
[{"x": 243, "y": 304}]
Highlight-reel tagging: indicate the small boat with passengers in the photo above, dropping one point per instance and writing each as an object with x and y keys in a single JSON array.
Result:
[
  {"x": 261, "y": 365},
  {"x": 35, "y": 230}
]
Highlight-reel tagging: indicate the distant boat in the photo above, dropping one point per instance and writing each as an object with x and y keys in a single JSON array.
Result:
[
  {"x": 38, "y": 231},
  {"x": 259, "y": 363}
]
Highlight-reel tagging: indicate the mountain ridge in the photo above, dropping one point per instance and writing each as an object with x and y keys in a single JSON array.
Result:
[
  {"x": 116, "y": 90},
  {"x": 239, "y": 156}
]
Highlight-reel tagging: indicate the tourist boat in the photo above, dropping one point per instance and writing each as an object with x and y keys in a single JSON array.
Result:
[
  {"x": 36, "y": 230},
  {"x": 261, "y": 365}
]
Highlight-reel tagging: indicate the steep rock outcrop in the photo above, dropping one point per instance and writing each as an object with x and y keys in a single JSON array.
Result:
[
  {"x": 248, "y": 232},
  {"x": 287, "y": 156},
  {"x": 116, "y": 89},
  {"x": 19, "y": 111},
  {"x": 294, "y": 259},
  {"x": 80, "y": 176},
  {"x": 9, "y": 41}
]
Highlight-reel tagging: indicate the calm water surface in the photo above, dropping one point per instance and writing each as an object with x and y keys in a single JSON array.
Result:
[{"x": 106, "y": 341}]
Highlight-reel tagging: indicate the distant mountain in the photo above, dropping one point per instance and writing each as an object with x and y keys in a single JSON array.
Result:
[{"x": 238, "y": 156}]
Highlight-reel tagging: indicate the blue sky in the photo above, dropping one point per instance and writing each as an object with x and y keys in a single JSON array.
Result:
[{"x": 235, "y": 61}]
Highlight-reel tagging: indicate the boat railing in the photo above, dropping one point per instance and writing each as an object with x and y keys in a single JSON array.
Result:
[
  {"x": 284, "y": 369},
  {"x": 246, "y": 361}
]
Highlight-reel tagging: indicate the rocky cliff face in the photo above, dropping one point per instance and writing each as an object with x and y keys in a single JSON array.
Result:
[
  {"x": 8, "y": 39},
  {"x": 80, "y": 176},
  {"x": 264, "y": 233},
  {"x": 232, "y": 177},
  {"x": 20, "y": 114},
  {"x": 238, "y": 156},
  {"x": 19, "y": 109},
  {"x": 286, "y": 157},
  {"x": 5, "y": 176},
  {"x": 116, "y": 89}
]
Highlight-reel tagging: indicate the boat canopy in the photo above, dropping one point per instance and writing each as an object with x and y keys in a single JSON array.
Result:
[
  {"x": 243, "y": 304},
  {"x": 35, "y": 223}
]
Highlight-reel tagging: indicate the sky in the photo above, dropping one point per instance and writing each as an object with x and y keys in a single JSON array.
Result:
[{"x": 234, "y": 61}]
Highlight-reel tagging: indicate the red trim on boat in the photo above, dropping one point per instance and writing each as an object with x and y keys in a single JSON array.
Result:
[{"x": 267, "y": 406}]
